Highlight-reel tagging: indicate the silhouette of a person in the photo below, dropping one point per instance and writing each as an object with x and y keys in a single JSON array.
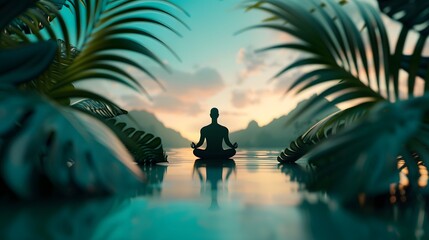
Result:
[{"x": 215, "y": 134}]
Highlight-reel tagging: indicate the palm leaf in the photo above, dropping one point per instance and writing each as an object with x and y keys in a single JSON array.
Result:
[
  {"x": 46, "y": 80},
  {"x": 11, "y": 9},
  {"x": 102, "y": 30},
  {"x": 359, "y": 66},
  {"x": 99, "y": 108},
  {"x": 145, "y": 147},
  {"x": 322, "y": 130},
  {"x": 397, "y": 129},
  {"x": 413, "y": 14},
  {"x": 47, "y": 149},
  {"x": 337, "y": 52},
  {"x": 25, "y": 62}
]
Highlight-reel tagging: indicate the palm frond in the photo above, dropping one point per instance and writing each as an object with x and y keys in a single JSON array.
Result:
[
  {"x": 322, "y": 130},
  {"x": 46, "y": 149},
  {"x": 358, "y": 64},
  {"x": 99, "y": 108},
  {"x": 335, "y": 49},
  {"x": 101, "y": 35},
  {"x": 413, "y": 14},
  {"x": 104, "y": 36},
  {"x": 337, "y": 53},
  {"x": 366, "y": 153},
  {"x": 145, "y": 147}
]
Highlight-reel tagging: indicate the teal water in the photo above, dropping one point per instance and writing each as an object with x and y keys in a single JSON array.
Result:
[{"x": 251, "y": 197}]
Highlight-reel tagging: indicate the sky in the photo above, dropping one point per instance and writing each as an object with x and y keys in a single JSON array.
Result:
[{"x": 217, "y": 68}]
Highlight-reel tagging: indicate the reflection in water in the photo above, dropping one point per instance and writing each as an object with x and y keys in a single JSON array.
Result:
[
  {"x": 70, "y": 219},
  {"x": 75, "y": 218},
  {"x": 154, "y": 177},
  {"x": 375, "y": 219},
  {"x": 325, "y": 219},
  {"x": 260, "y": 204},
  {"x": 297, "y": 173},
  {"x": 214, "y": 175}
]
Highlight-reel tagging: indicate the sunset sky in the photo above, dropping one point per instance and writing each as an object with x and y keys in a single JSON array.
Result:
[{"x": 218, "y": 69}]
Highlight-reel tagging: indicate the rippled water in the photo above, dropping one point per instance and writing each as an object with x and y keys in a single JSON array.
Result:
[{"x": 249, "y": 197}]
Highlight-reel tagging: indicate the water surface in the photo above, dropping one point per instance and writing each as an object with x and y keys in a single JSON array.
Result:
[{"x": 249, "y": 197}]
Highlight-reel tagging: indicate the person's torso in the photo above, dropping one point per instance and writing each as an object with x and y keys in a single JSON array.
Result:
[{"x": 214, "y": 136}]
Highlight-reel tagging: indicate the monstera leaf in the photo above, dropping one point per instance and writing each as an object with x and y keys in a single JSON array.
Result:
[
  {"x": 25, "y": 62},
  {"x": 48, "y": 149},
  {"x": 145, "y": 147}
]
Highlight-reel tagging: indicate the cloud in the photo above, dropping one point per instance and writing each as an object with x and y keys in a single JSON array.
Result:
[
  {"x": 245, "y": 98},
  {"x": 253, "y": 63},
  {"x": 199, "y": 85},
  {"x": 172, "y": 104},
  {"x": 282, "y": 83},
  {"x": 185, "y": 91}
]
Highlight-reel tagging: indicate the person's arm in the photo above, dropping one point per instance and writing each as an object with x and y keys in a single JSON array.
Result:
[
  {"x": 200, "y": 143},
  {"x": 227, "y": 142}
]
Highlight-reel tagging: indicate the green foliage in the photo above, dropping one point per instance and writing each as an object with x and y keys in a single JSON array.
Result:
[
  {"x": 99, "y": 108},
  {"x": 412, "y": 14},
  {"x": 355, "y": 150},
  {"x": 25, "y": 62},
  {"x": 101, "y": 29},
  {"x": 145, "y": 147},
  {"x": 48, "y": 149}
]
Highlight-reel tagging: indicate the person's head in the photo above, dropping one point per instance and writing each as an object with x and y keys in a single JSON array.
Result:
[{"x": 214, "y": 113}]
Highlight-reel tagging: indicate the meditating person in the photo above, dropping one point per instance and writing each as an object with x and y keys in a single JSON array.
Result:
[{"x": 215, "y": 134}]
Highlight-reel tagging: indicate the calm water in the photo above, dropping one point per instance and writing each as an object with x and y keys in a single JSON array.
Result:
[{"x": 251, "y": 197}]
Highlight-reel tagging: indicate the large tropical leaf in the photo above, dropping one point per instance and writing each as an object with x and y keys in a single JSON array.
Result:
[
  {"x": 25, "y": 62},
  {"x": 145, "y": 147},
  {"x": 48, "y": 149},
  {"x": 10, "y": 9}
]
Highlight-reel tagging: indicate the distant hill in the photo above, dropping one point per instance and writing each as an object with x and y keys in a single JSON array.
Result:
[
  {"x": 276, "y": 133},
  {"x": 149, "y": 123}
]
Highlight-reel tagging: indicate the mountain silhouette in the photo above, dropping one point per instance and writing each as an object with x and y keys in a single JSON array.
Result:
[
  {"x": 277, "y": 134},
  {"x": 150, "y": 124}
]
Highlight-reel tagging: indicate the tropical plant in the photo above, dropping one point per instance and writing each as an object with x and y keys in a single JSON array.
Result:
[
  {"x": 98, "y": 108},
  {"x": 47, "y": 148},
  {"x": 349, "y": 59},
  {"x": 145, "y": 147}
]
